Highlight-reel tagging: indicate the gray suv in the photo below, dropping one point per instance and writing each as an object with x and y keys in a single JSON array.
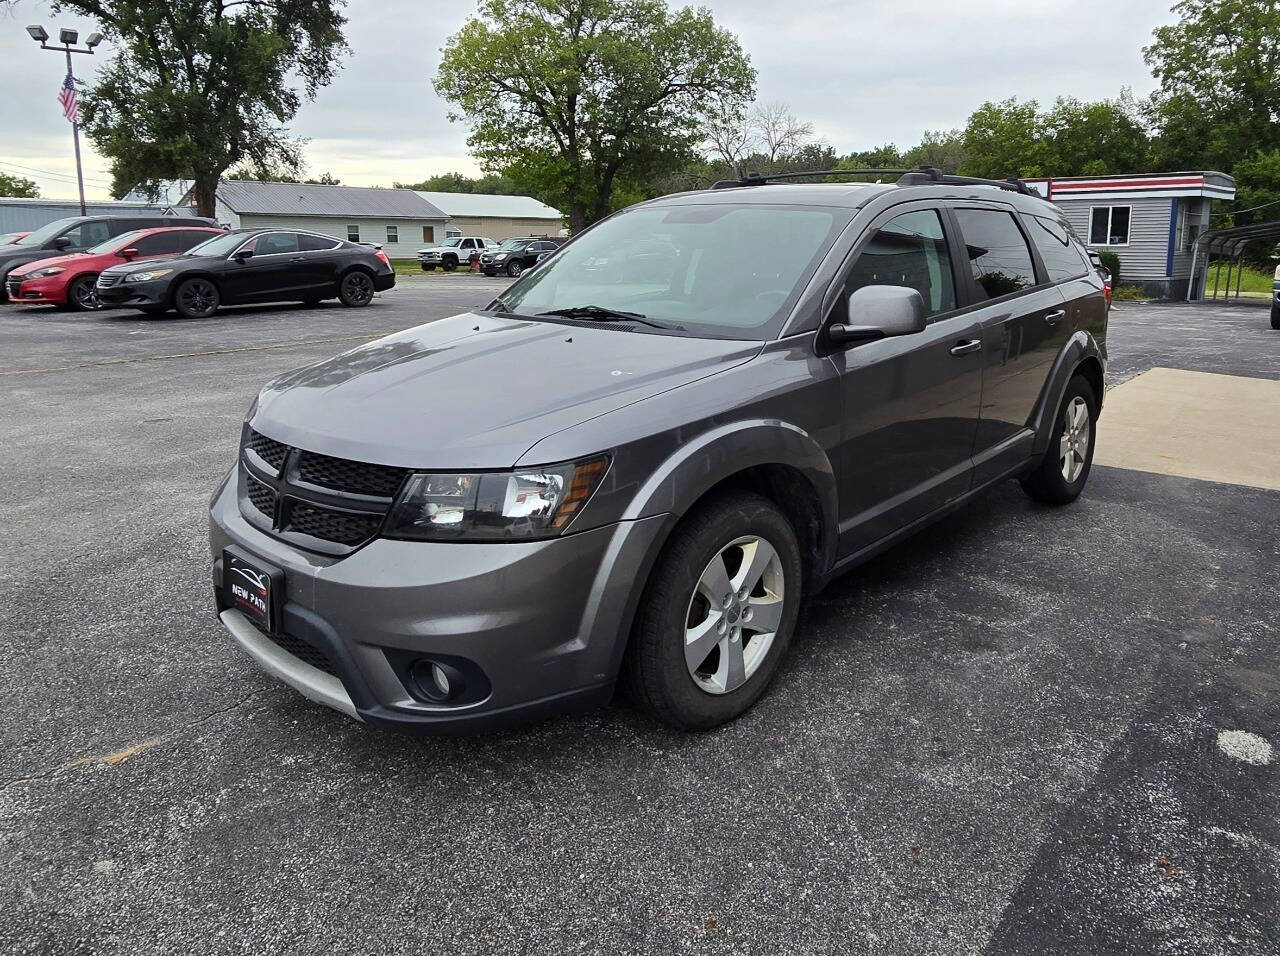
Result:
[{"x": 637, "y": 476}]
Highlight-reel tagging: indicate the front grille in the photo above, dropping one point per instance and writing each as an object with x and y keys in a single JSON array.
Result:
[
  {"x": 350, "y": 476},
  {"x": 14, "y": 286},
  {"x": 303, "y": 652},
  {"x": 106, "y": 280},
  {"x": 314, "y": 501},
  {"x": 268, "y": 449},
  {"x": 338, "y": 526},
  {"x": 261, "y": 496}
]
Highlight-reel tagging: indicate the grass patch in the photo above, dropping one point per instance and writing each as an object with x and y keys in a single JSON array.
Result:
[
  {"x": 1128, "y": 293},
  {"x": 1251, "y": 280}
]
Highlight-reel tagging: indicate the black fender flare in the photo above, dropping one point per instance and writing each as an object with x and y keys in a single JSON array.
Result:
[{"x": 1081, "y": 347}]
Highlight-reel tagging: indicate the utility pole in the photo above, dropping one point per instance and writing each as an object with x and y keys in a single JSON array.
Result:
[{"x": 69, "y": 96}]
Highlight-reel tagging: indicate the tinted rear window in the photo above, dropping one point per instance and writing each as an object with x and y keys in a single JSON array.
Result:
[
  {"x": 1060, "y": 255},
  {"x": 997, "y": 252}
]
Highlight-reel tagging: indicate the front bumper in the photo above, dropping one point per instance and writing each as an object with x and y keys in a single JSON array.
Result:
[
  {"x": 126, "y": 294},
  {"x": 543, "y": 622},
  {"x": 48, "y": 291}
]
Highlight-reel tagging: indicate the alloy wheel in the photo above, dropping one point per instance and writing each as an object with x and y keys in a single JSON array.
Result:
[
  {"x": 86, "y": 295},
  {"x": 358, "y": 288},
  {"x": 1077, "y": 432},
  {"x": 198, "y": 297},
  {"x": 734, "y": 614},
  {"x": 515, "y": 268}
]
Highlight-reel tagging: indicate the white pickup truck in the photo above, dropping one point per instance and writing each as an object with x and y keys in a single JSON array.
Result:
[{"x": 448, "y": 254}]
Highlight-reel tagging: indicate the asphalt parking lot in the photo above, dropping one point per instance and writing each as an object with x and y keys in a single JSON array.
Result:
[{"x": 1025, "y": 731}]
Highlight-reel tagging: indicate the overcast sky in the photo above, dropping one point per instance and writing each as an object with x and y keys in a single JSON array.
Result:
[{"x": 865, "y": 72}]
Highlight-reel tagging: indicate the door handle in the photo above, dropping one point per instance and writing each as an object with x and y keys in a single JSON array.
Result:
[
  {"x": 296, "y": 259},
  {"x": 965, "y": 346},
  {"x": 1053, "y": 318}
]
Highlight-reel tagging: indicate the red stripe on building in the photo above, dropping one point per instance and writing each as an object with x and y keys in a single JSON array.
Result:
[{"x": 1059, "y": 186}]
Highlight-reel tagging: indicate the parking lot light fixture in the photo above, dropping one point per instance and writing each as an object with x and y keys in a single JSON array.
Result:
[
  {"x": 38, "y": 33},
  {"x": 92, "y": 40},
  {"x": 68, "y": 37}
]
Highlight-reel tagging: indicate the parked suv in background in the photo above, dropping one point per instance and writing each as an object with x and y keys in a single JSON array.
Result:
[
  {"x": 453, "y": 251},
  {"x": 76, "y": 235},
  {"x": 513, "y": 256},
  {"x": 602, "y": 478},
  {"x": 71, "y": 280}
]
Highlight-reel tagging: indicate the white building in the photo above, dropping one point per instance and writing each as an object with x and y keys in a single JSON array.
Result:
[{"x": 496, "y": 217}]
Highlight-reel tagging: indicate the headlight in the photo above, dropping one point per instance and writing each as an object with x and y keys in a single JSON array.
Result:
[
  {"x": 524, "y": 504},
  {"x": 44, "y": 273},
  {"x": 147, "y": 276},
  {"x": 501, "y": 255}
]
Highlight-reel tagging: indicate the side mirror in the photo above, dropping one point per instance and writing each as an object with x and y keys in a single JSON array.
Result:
[
  {"x": 130, "y": 253},
  {"x": 62, "y": 242},
  {"x": 243, "y": 255},
  {"x": 878, "y": 312}
]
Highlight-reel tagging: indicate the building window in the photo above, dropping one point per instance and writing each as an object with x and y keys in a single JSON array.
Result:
[
  {"x": 1109, "y": 225},
  {"x": 393, "y": 234},
  {"x": 428, "y": 233},
  {"x": 353, "y": 233}
]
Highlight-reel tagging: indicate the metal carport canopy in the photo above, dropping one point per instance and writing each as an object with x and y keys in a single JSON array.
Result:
[{"x": 1230, "y": 242}]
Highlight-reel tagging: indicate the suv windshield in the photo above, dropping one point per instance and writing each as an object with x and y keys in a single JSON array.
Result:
[
  {"x": 722, "y": 270},
  {"x": 514, "y": 243},
  {"x": 222, "y": 245},
  {"x": 45, "y": 232},
  {"x": 451, "y": 242}
]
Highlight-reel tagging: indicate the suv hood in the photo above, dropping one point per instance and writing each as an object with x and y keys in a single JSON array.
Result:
[
  {"x": 477, "y": 391},
  {"x": 9, "y": 255}
]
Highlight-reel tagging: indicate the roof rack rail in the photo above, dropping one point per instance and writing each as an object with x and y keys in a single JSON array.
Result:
[
  {"x": 928, "y": 175},
  {"x": 755, "y": 179}
]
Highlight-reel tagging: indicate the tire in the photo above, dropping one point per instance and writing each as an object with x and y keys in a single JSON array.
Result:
[
  {"x": 1275, "y": 316},
  {"x": 355, "y": 289},
  {"x": 82, "y": 295},
  {"x": 449, "y": 263},
  {"x": 659, "y": 674},
  {"x": 514, "y": 268},
  {"x": 1054, "y": 481},
  {"x": 196, "y": 298}
]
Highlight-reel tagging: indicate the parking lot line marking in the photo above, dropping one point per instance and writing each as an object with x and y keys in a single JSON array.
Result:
[
  {"x": 1201, "y": 425},
  {"x": 179, "y": 355}
]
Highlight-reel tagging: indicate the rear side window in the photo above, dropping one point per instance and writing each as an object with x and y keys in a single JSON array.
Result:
[
  {"x": 190, "y": 238},
  {"x": 909, "y": 250},
  {"x": 1061, "y": 256},
  {"x": 158, "y": 244},
  {"x": 315, "y": 243},
  {"x": 997, "y": 251},
  {"x": 276, "y": 243}
]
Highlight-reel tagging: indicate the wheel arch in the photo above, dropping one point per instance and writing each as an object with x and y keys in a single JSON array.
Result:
[
  {"x": 1080, "y": 355},
  {"x": 171, "y": 296}
]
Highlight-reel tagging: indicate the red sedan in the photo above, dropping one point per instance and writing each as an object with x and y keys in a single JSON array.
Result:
[{"x": 69, "y": 281}]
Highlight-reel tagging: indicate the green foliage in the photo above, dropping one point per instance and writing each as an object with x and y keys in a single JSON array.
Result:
[
  {"x": 1219, "y": 93},
  {"x": 582, "y": 97},
  {"x": 276, "y": 176},
  {"x": 1112, "y": 262},
  {"x": 199, "y": 87},
  {"x": 1004, "y": 139},
  {"x": 882, "y": 157},
  {"x": 490, "y": 185},
  {"x": 19, "y": 187},
  {"x": 941, "y": 149}
]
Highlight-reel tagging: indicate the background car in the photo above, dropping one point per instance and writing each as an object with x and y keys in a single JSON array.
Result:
[
  {"x": 513, "y": 256},
  {"x": 453, "y": 251},
  {"x": 77, "y": 234},
  {"x": 249, "y": 266},
  {"x": 9, "y": 238},
  {"x": 71, "y": 280},
  {"x": 1103, "y": 271}
]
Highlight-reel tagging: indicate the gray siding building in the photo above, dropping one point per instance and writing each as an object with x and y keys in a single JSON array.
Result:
[
  {"x": 1150, "y": 220},
  {"x": 27, "y": 215}
]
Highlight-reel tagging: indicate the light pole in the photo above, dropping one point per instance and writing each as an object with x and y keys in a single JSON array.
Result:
[{"x": 68, "y": 40}]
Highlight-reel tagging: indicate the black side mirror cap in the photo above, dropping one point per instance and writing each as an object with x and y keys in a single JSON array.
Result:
[{"x": 242, "y": 255}]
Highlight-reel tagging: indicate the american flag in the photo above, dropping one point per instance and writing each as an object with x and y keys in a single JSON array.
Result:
[{"x": 67, "y": 97}]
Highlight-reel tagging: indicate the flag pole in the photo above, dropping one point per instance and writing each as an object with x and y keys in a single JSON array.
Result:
[{"x": 75, "y": 136}]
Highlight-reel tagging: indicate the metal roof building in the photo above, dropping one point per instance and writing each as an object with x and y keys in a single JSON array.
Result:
[
  {"x": 26, "y": 215},
  {"x": 496, "y": 217},
  {"x": 399, "y": 220}
]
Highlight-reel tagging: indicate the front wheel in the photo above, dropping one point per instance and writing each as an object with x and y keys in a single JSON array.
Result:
[
  {"x": 82, "y": 295},
  {"x": 356, "y": 289},
  {"x": 514, "y": 268},
  {"x": 196, "y": 299},
  {"x": 1061, "y": 475},
  {"x": 717, "y": 614},
  {"x": 449, "y": 264}
]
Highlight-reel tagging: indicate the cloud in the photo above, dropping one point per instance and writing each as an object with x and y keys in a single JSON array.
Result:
[{"x": 863, "y": 71}]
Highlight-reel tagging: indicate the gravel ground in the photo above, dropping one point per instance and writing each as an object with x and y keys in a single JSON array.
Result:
[{"x": 1025, "y": 731}]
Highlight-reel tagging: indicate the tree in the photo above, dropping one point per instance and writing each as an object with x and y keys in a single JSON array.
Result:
[
  {"x": 18, "y": 187},
  {"x": 200, "y": 87},
  {"x": 579, "y": 96},
  {"x": 1003, "y": 139},
  {"x": 1219, "y": 74},
  {"x": 491, "y": 185},
  {"x": 1094, "y": 139},
  {"x": 278, "y": 176},
  {"x": 729, "y": 137},
  {"x": 941, "y": 149},
  {"x": 882, "y": 157},
  {"x": 778, "y": 132}
]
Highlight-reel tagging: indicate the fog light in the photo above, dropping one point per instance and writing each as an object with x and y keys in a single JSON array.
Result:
[
  {"x": 438, "y": 682},
  {"x": 441, "y": 679}
]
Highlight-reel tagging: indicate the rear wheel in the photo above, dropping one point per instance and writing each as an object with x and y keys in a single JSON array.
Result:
[
  {"x": 196, "y": 299},
  {"x": 1061, "y": 475},
  {"x": 82, "y": 294},
  {"x": 717, "y": 614},
  {"x": 356, "y": 289}
]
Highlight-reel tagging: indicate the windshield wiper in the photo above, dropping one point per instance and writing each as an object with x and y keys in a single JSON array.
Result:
[{"x": 599, "y": 313}]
